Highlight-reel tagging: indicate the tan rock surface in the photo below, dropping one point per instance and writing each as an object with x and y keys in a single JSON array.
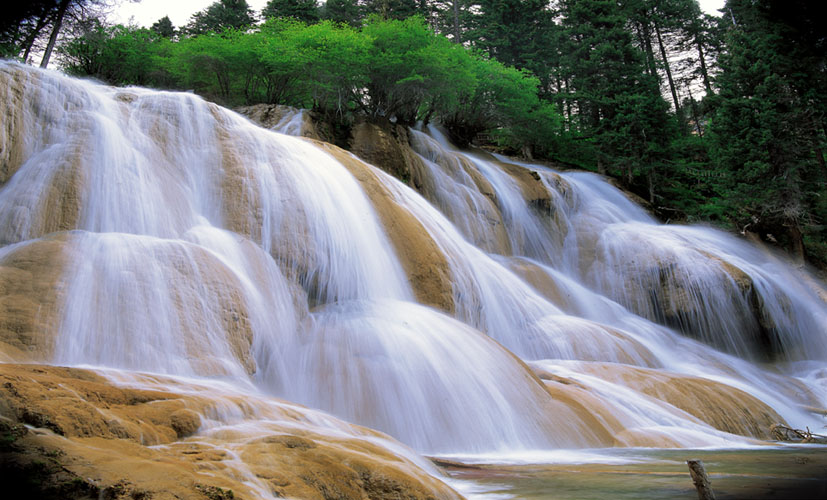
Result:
[
  {"x": 29, "y": 296},
  {"x": 90, "y": 438},
  {"x": 541, "y": 281},
  {"x": 13, "y": 83},
  {"x": 534, "y": 191},
  {"x": 34, "y": 281},
  {"x": 425, "y": 265},
  {"x": 722, "y": 406},
  {"x": 270, "y": 115},
  {"x": 382, "y": 146}
]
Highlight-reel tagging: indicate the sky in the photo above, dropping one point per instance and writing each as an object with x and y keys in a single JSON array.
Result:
[{"x": 146, "y": 12}]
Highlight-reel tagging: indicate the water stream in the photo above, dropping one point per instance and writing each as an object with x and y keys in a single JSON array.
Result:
[{"x": 190, "y": 242}]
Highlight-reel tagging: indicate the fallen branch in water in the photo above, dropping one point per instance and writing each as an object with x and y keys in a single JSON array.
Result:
[
  {"x": 781, "y": 432},
  {"x": 699, "y": 477}
]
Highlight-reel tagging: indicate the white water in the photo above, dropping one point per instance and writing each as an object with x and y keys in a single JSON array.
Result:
[
  {"x": 290, "y": 123},
  {"x": 211, "y": 247}
]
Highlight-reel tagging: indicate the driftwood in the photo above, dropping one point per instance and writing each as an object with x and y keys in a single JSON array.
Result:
[
  {"x": 781, "y": 432},
  {"x": 699, "y": 477}
]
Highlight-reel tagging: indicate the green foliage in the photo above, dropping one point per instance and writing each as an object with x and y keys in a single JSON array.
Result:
[
  {"x": 326, "y": 63},
  {"x": 621, "y": 108},
  {"x": 398, "y": 69},
  {"x": 116, "y": 54},
  {"x": 163, "y": 27},
  {"x": 768, "y": 131},
  {"x": 412, "y": 70},
  {"x": 511, "y": 31},
  {"x": 222, "y": 65},
  {"x": 301, "y": 10},
  {"x": 221, "y": 15},
  {"x": 342, "y": 11},
  {"x": 391, "y": 9},
  {"x": 505, "y": 101}
]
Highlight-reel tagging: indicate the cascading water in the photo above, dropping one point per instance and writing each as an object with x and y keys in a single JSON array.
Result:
[{"x": 164, "y": 234}]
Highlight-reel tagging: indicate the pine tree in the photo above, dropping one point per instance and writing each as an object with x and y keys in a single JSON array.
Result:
[
  {"x": 164, "y": 27},
  {"x": 221, "y": 15},
  {"x": 769, "y": 126},
  {"x": 618, "y": 103},
  {"x": 303, "y": 10},
  {"x": 510, "y": 31},
  {"x": 392, "y": 9},
  {"x": 342, "y": 11}
]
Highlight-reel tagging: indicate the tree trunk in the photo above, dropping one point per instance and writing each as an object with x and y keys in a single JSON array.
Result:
[
  {"x": 457, "y": 38},
  {"x": 41, "y": 23},
  {"x": 425, "y": 11},
  {"x": 695, "y": 113},
  {"x": 61, "y": 11},
  {"x": 699, "y": 477},
  {"x": 668, "y": 71},
  {"x": 646, "y": 40},
  {"x": 704, "y": 72}
]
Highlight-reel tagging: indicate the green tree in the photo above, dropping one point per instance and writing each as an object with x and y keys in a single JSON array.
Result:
[
  {"x": 221, "y": 15},
  {"x": 163, "y": 27},
  {"x": 510, "y": 31},
  {"x": 342, "y": 11},
  {"x": 411, "y": 68},
  {"x": 222, "y": 66},
  {"x": 22, "y": 24},
  {"x": 768, "y": 129},
  {"x": 119, "y": 55},
  {"x": 620, "y": 110},
  {"x": 391, "y": 9},
  {"x": 505, "y": 101},
  {"x": 302, "y": 10},
  {"x": 334, "y": 65}
]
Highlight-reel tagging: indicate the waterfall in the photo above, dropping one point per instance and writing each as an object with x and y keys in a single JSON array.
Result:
[{"x": 502, "y": 307}]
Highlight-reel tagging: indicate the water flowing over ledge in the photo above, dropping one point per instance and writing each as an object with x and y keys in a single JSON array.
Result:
[{"x": 500, "y": 309}]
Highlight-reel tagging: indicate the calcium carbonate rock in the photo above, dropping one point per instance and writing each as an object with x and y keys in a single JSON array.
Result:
[{"x": 90, "y": 436}]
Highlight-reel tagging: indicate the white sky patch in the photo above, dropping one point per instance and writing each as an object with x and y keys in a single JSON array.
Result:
[
  {"x": 711, "y": 6},
  {"x": 146, "y": 12}
]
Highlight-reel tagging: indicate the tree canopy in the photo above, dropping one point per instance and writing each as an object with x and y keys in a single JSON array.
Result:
[
  {"x": 302, "y": 10},
  {"x": 221, "y": 15}
]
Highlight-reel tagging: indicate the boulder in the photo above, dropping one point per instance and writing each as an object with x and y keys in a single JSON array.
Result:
[{"x": 382, "y": 144}]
